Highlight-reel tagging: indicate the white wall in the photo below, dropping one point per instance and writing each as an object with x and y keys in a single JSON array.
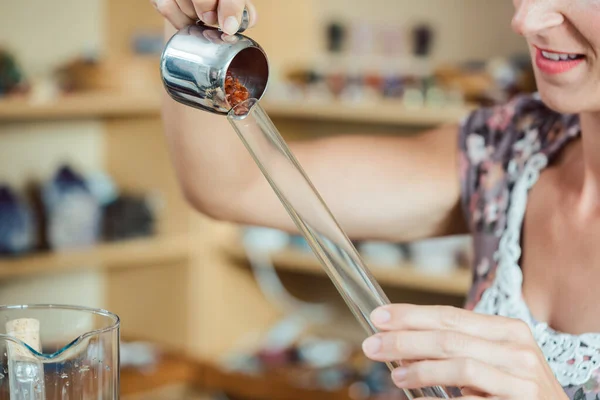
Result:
[
  {"x": 466, "y": 28},
  {"x": 33, "y": 151},
  {"x": 45, "y": 33}
]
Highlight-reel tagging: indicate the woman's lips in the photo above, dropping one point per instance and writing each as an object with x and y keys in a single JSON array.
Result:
[{"x": 550, "y": 62}]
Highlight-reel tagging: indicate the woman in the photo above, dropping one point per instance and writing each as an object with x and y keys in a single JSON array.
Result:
[{"x": 527, "y": 188}]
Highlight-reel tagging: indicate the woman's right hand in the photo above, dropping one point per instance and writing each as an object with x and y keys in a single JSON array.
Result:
[{"x": 227, "y": 14}]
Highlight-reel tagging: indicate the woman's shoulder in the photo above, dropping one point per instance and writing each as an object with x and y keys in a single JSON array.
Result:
[
  {"x": 525, "y": 121},
  {"x": 495, "y": 145}
]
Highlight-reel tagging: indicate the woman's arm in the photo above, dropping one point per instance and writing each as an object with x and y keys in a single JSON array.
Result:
[
  {"x": 388, "y": 188},
  {"x": 378, "y": 188}
]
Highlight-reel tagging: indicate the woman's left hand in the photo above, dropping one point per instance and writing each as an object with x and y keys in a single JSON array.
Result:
[{"x": 486, "y": 356}]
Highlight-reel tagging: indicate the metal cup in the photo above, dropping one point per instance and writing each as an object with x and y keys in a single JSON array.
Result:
[{"x": 196, "y": 60}]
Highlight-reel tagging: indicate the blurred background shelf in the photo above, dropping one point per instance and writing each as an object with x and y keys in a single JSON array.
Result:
[
  {"x": 172, "y": 371},
  {"x": 168, "y": 249},
  {"x": 96, "y": 105},
  {"x": 173, "y": 290},
  {"x": 455, "y": 283},
  {"x": 175, "y": 371},
  {"x": 80, "y": 106},
  {"x": 383, "y": 113},
  {"x": 269, "y": 386}
]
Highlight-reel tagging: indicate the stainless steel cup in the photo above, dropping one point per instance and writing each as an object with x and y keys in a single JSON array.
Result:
[{"x": 196, "y": 61}]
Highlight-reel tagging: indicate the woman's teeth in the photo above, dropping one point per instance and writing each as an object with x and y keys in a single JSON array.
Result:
[{"x": 559, "y": 56}]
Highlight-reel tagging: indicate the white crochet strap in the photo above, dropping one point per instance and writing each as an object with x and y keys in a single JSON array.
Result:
[{"x": 572, "y": 358}]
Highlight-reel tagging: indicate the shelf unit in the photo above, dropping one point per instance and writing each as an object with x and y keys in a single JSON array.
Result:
[
  {"x": 158, "y": 250},
  {"x": 90, "y": 105},
  {"x": 190, "y": 284},
  {"x": 273, "y": 386},
  {"x": 379, "y": 113},
  {"x": 112, "y": 105},
  {"x": 455, "y": 283},
  {"x": 174, "y": 371}
]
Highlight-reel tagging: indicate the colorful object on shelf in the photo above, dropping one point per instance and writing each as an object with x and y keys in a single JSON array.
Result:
[
  {"x": 17, "y": 224},
  {"x": 132, "y": 74},
  {"x": 334, "y": 378},
  {"x": 346, "y": 368},
  {"x": 422, "y": 40},
  {"x": 265, "y": 239},
  {"x": 299, "y": 243},
  {"x": 439, "y": 255},
  {"x": 275, "y": 358},
  {"x": 147, "y": 43},
  {"x": 383, "y": 253},
  {"x": 322, "y": 353},
  {"x": 12, "y": 79},
  {"x": 336, "y": 37},
  {"x": 128, "y": 217},
  {"x": 73, "y": 214},
  {"x": 102, "y": 187}
]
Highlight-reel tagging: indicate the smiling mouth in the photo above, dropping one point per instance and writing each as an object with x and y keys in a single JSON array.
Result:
[
  {"x": 553, "y": 63},
  {"x": 548, "y": 55}
]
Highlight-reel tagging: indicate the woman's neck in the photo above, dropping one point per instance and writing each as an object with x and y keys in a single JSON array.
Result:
[{"x": 590, "y": 134}]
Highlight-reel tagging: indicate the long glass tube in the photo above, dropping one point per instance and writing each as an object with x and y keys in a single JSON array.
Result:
[{"x": 335, "y": 251}]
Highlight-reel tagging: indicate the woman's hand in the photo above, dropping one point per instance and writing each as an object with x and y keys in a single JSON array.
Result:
[
  {"x": 226, "y": 13},
  {"x": 486, "y": 356}
]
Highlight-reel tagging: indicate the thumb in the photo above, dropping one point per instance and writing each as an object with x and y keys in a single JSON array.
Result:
[{"x": 230, "y": 15}]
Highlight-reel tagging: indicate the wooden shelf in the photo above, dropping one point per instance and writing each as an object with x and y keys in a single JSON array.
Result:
[
  {"x": 171, "y": 371},
  {"x": 131, "y": 253},
  {"x": 456, "y": 283},
  {"x": 112, "y": 105},
  {"x": 176, "y": 370},
  {"x": 382, "y": 113},
  {"x": 271, "y": 386},
  {"x": 80, "y": 106}
]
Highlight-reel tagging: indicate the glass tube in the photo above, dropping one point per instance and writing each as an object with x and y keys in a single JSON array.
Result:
[{"x": 335, "y": 251}]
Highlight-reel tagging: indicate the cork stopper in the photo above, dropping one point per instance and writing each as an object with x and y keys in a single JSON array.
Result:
[{"x": 26, "y": 330}]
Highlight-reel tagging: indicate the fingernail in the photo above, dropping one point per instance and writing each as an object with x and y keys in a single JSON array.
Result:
[
  {"x": 399, "y": 374},
  {"x": 229, "y": 38},
  {"x": 209, "y": 17},
  {"x": 381, "y": 316},
  {"x": 372, "y": 345},
  {"x": 231, "y": 26}
]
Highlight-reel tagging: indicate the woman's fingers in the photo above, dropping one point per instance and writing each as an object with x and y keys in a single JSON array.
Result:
[
  {"x": 226, "y": 13},
  {"x": 171, "y": 11},
  {"x": 230, "y": 15},
  {"x": 443, "y": 345},
  {"x": 467, "y": 373},
  {"x": 188, "y": 8},
  {"x": 412, "y": 317},
  {"x": 206, "y": 10}
]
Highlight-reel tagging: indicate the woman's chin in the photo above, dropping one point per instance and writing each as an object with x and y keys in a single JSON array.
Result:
[{"x": 568, "y": 102}]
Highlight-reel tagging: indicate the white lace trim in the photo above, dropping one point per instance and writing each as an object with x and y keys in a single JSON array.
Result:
[{"x": 572, "y": 358}]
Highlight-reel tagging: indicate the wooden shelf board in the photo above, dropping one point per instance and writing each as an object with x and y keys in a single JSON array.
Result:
[
  {"x": 81, "y": 105},
  {"x": 382, "y": 113},
  {"x": 207, "y": 376},
  {"x": 106, "y": 105},
  {"x": 455, "y": 283},
  {"x": 130, "y": 253},
  {"x": 270, "y": 386},
  {"x": 170, "y": 371}
]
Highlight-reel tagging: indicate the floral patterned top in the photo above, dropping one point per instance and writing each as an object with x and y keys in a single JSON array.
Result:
[{"x": 503, "y": 149}]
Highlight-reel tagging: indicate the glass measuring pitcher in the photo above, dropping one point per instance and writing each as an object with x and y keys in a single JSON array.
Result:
[{"x": 50, "y": 352}]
